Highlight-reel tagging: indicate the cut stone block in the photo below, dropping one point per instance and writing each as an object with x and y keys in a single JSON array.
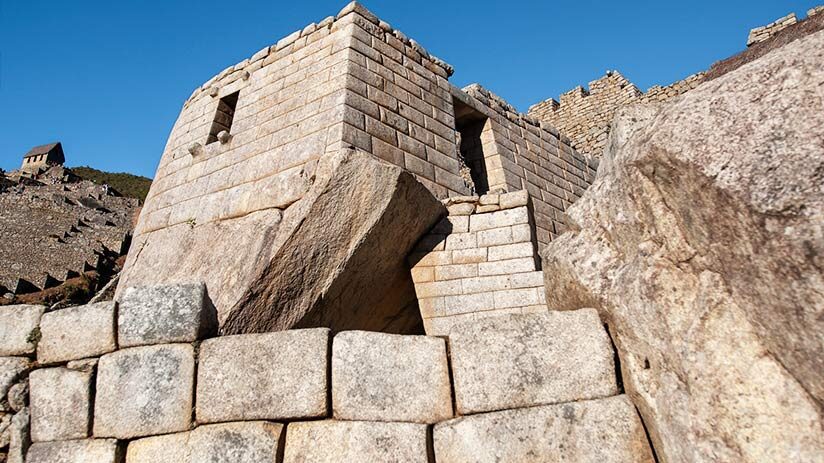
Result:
[
  {"x": 18, "y": 334},
  {"x": 271, "y": 376},
  {"x": 144, "y": 390},
  {"x": 76, "y": 333},
  {"x": 512, "y": 361},
  {"x": 19, "y": 436},
  {"x": 11, "y": 370},
  {"x": 75, "y": 451},
  {"x": 165, "y": 314},
  {"x": 387, "y": 377},
  {"x": 366, "y": 441},
  {"x": 60, "y": 401},
  {"x": 246, "y": 442},
  {"x": 593, "y": 431}
]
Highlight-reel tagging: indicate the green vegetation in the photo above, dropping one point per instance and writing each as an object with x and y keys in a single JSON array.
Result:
[{"x": 129, "y": 185}]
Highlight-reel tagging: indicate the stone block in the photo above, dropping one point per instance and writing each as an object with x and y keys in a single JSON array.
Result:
[
  {"x": 592, "y": 431},
  {"x": 513, "y": 361},
  {"x": 273, "y": 376},
  {"x": 76, "y": 333},
  {"x": 514, "y": 199},
  {"x": 165, "y": 314},
  {"x": 60, "y": 401},
  {"x": 144, "y": 390},
  {"x": 18, "y": 334},
  {"x": 76, "y": 451},
  {"x": 479, "y": 222},
  {"x": 511, "y": 251},
  {"x": 355, "y": 441},
  {"x": 387, "y": 377},
  {"x": 11, "y": 370},
  {"x": 505, "y": 267},
  {"x": 246, "y": 442}
]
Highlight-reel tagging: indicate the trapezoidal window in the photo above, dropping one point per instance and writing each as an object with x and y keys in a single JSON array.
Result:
[{"x": 223, "y": 116}]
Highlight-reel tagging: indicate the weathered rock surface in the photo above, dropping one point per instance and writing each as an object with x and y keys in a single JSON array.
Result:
[
  {"x": 340, "y": 253},
  {"x": 144, "y": 390},
  {"x": 263, "y": 376},
  {"x": 163, "y": 314},
  {"x": 60, "y": 404},
  {"x": 75, "y": 451},
  {"x": 19, "y": 436},
  {"x": 18, "y": 325},
  {"x": 591, "y": 431},
  {"x": 248, "y": 442},
  {"x": 336, "y": 441},
  {"x": 388, "y": 377},
  {"x": 701, "y": 244},
  {"x": 521, "y": 360},
  {"x": 77, "y": 332},
  {"x": 11, "y": 369}
]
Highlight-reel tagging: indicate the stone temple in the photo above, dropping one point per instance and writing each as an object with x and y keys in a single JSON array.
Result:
[{"x": 346, "y": 258}]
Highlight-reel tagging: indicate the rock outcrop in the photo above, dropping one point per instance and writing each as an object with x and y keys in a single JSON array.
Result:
[{"x": 701, "y": 244}]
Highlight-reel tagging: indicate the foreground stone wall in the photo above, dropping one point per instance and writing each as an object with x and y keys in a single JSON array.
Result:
[{"x": 307, "y": 394}]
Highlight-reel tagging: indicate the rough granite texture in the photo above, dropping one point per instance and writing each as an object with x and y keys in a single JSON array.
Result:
[
  {"x": 591, "y": 431},
  {"x": 263, "y": 376},
  {"x": 387, "y": 377},
  {"x": 61, "y": 401},
  {"x": 248, "y": 442},
  {"x": 165, "y": 314},
  {"x": 75, "y": 451},
  {"x": 144, "y": 390},
  {"x": 17, "y": 322},
  {"x": 76, "y": 333},
  {"x": 700, "y": 244},
  {"x": 513, "y": 361},
  {"x": 355, "y": 441},
  {"x": 11, "y": 370}
]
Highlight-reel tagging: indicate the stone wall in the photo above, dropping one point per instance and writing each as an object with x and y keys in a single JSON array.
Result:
[
  {"x": 585, "y": 115},
  {"x": 763, "y": 33},
  {"x": 145, "y": 381},
  {"x": 482, "y": 260},
  {"x": 522, "y": 153}
]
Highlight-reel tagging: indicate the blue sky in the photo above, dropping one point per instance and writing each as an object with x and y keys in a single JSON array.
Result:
[{"x": 108, "y": 78}]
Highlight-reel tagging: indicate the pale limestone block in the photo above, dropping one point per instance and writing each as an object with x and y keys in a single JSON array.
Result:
[
  {"x": 75, "y": 451},
  {"x": 77, "y": 332},
  {"x": 12, "y": 370},
  {"x": 241, "y": 442},
  {"x": 506, "y": 267},
  {"x": 452, "y": 272},
  {"x": 524, "y": 360},
  {"x": 355, "y": 441},
  {"x": 489, "y": 199},
  {"x": 454, "y": 305},
  {"x": 485, "y": 284},
  {"x": 461, "y": 241},
  {"x": 514, "y": 199},
  {"x": 440, "y": 326},
  {"x": 452, "y": 224},
  {"x": 517, "y": 297},
  {"x": 438, "y": 288},
  {"x": 423, "y": 274},
  {"x": 593, "y": 431},
  {"x": 282, "y": 375},
  {"x": 431, "y": 306},
  {"x": 497, "y": 219},
  {"x": 144, "y": 390},
  {"x": 469, "y": 256},
  {"x": 60, "y": 401},
  {"x": 461, "y": 209},
  {"x": 495, "y": 236},
  {"x": 527, "y": 280},
  {"x": 522, "y": 232},
  {"x": 18, "y": 323},
  {"x": 165, "y": 314},
  {"x": 511, "y": 251},
  {"x": 389, "y": 377}
]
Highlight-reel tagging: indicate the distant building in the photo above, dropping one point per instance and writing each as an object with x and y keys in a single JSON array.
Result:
[{"x": 43, "y": 155}]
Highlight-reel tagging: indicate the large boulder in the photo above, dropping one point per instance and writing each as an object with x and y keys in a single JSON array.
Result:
[
  {"x": 335, "y": 257},
  {"x": 701, "y": 243}
]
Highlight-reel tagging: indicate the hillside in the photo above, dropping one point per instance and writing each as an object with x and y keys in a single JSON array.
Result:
[{"x": 129, "y": 185}]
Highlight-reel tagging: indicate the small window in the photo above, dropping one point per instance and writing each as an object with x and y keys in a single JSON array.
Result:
[{"x": 223, "y": 116}]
